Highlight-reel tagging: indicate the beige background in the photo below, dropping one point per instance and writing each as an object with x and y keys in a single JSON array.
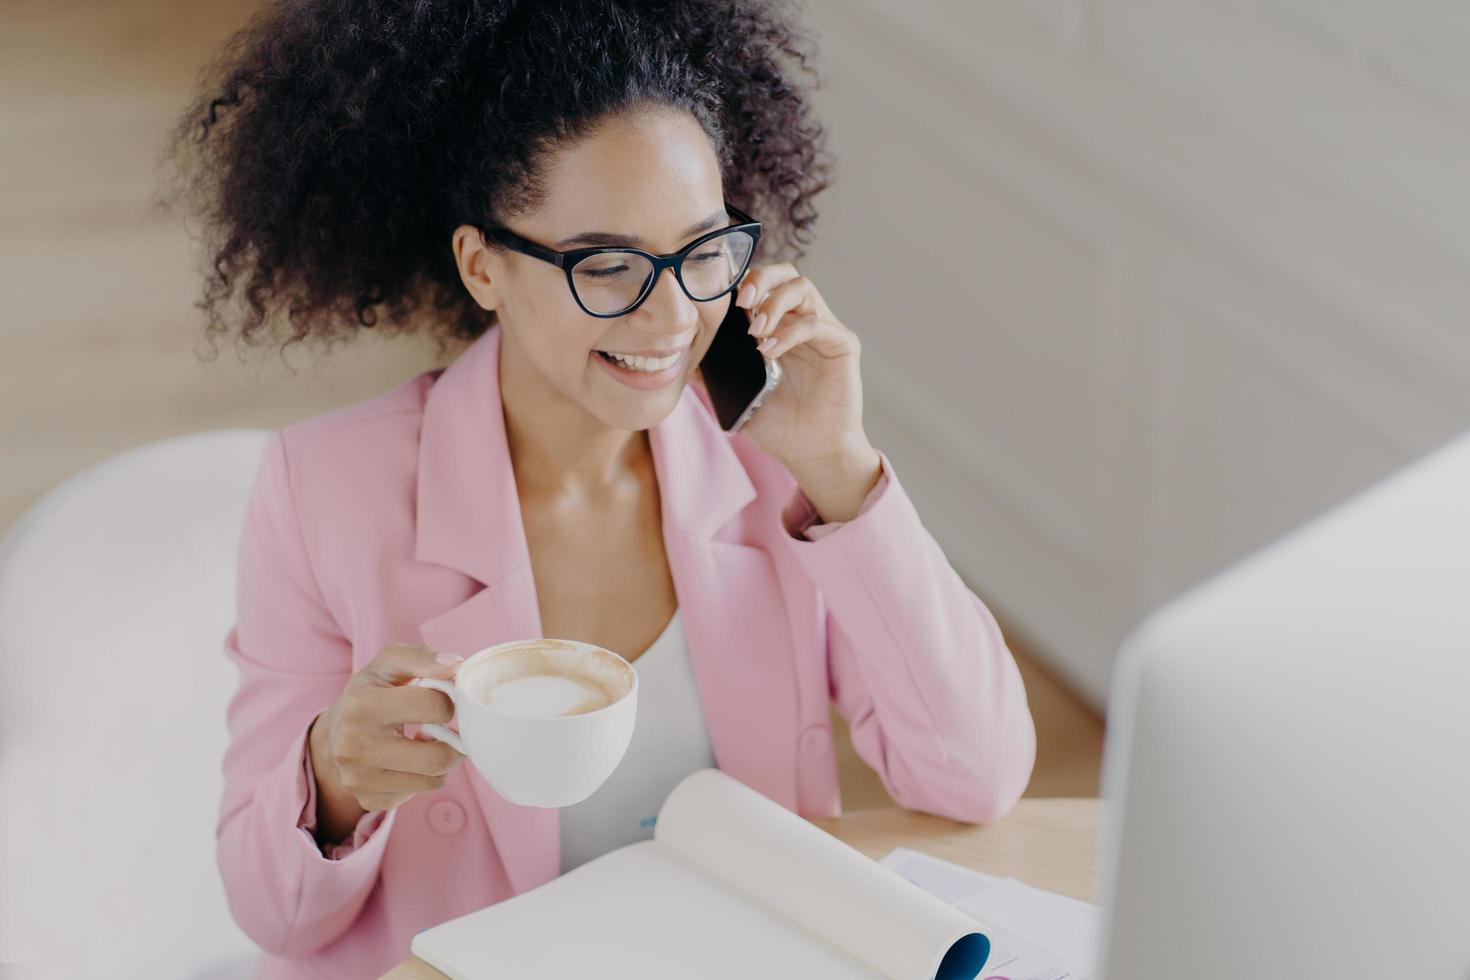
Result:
[{"x": 1144, "y": 284}]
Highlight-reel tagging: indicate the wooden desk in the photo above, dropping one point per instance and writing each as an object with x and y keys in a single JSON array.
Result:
[{"x": 1046, "y": 843}]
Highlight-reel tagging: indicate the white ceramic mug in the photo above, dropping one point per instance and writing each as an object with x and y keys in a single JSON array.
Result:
[{"x": 546, "y": 761}]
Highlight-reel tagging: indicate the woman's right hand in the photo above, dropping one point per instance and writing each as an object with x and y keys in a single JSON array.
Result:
[{"x": 360, "y": 756}]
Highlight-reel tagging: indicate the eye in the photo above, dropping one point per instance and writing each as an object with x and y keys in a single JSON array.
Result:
[
  {"x": 608, "y": 265},
  {"x": 607, "y": 272}
]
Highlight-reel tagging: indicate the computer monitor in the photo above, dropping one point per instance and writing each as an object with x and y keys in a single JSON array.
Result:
[{"x": 1287, "y": 771}]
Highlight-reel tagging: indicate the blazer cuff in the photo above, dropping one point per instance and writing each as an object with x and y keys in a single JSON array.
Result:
[
  {"x": 284, "y": 796},
  {"x": 863, "y": 553},
  {"x": 802, "y": 522},
  {"x": 366, "y": 824}
]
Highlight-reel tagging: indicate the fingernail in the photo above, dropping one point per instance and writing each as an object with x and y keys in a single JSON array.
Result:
[
  {"x": 765, "y": 345},
  {"x": 747, "y": 293},
  {"x": 757, "y": 323},
  {"x": 447, "y": 658}
]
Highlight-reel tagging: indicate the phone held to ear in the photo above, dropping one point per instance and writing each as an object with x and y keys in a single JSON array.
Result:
[{"x": 737, "y": 376}]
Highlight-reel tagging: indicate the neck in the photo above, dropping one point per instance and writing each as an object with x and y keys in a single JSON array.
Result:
[{"x": 555, "y": 445}]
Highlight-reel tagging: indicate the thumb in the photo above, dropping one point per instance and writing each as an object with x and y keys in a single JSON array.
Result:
[{"x": 399, "y": 663}]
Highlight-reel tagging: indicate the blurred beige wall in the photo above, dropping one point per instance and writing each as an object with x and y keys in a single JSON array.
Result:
[
  {"x": 1144, "y": 284},
  {"x": 99, "y": 343}
]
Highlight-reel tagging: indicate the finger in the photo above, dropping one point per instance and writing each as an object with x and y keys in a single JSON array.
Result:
[
  {"x": 392, "y": 782},
  {"x": 793, "y": 295},
  {"x": 429, "y": 758},
  {"x": 826, "y": 337},
  {"x": 400, "y": 662},
  {"x": 381, "y": 801},
  {"x": 406, "y": 703},
  {"x": 761, "y": 280}
]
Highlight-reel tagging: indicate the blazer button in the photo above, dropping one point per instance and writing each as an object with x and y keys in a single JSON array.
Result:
[
  {"x": 816, "y": 741},
  {"x": 447, "y": 817}
]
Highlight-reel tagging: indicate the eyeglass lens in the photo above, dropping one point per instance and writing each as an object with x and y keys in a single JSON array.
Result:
[{"x": 611, "y": 282}]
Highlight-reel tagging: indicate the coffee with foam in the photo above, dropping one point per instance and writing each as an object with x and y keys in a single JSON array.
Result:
[
  {"x": 547, "y": 679},
  {"x": 544, "y": 721}
]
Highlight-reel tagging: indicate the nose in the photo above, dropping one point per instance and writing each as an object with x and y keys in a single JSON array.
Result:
[{"x": 668, "y": 305}]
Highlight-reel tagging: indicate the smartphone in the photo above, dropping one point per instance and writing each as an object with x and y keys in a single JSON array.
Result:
[{"x": 737, "y": 376}]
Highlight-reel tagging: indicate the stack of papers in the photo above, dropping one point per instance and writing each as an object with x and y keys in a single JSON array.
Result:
[{"x": 1034, "y": 934}]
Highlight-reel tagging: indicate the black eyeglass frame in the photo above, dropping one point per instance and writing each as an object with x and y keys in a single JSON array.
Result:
[{"x": 567, "y": 261}]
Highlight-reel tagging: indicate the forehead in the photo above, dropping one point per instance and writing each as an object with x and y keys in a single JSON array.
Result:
[{"x": 650, "y": 175}]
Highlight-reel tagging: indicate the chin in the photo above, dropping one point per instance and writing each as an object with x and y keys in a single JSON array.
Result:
[{"x": 650, "y": 409}]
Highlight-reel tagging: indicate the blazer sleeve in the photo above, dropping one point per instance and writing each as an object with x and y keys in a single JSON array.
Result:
[
  {"x": 918, "y": 666},
  {"x": 294, "y": 661}
]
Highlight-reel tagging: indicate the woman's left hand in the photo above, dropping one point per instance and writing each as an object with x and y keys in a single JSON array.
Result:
[{"x": 813, "y": 421}]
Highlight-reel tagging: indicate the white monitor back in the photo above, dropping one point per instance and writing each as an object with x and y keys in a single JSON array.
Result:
[{"x": 1289, "y": 763}]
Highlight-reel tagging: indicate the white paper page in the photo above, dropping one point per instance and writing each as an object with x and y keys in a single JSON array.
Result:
[
  {"x": 1013, "y": 957},
  {"x": 946, "y": 881},
  {"x": 635, "y": 913},
  {"x": 758, "y": 846},
  {"x": 1058, "y": 922},
  {"x": 1034, "y": 934}
]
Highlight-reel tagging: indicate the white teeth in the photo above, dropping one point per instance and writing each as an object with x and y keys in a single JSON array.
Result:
[{"x": 648, "y": 365}]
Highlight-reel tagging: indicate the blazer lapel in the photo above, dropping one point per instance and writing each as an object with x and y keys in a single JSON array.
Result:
[
  {"x": 526, "y": 837},
  {"x": 469, "y": 519},
  {"x": 733, "y": 610}
]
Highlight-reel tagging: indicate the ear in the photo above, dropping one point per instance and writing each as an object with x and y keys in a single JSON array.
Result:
[{"x": 478, "y": 266}]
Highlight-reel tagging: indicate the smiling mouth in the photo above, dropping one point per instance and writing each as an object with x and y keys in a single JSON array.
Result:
[{"x": 642, "y": 365}]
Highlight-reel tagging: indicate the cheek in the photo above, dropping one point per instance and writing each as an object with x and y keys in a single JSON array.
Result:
[
  {"x": 711, "y": 315},
  {"x": 558, "y": 333},
  {"x": 570, "y": 343}
]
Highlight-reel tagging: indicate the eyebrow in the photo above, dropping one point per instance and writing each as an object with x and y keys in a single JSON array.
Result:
[{"x": 602, "y": 238}]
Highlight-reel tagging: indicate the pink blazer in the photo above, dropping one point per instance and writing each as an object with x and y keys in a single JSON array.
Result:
[{"x": 396, "y": 520}]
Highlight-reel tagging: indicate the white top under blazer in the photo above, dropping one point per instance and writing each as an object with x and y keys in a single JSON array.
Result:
[{"x": 669, "y": 742}]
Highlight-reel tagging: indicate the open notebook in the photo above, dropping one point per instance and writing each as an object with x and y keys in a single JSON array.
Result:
[{"x": 732, "y": 885}]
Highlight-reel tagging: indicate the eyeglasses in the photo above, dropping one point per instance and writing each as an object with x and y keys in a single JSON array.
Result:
[{"x": 614, "y": 281}]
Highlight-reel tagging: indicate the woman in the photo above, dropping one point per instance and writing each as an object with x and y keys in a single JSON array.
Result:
[{"x": 395, "y": 163}]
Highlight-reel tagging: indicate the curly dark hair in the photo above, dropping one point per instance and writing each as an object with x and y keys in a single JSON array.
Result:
[{"x": 336, "y": 144}]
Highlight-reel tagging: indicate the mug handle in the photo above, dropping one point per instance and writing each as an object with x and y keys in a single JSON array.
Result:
[{"x": 439, "y": 731}]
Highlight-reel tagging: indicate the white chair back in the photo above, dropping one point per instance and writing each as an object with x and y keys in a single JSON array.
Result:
[{"x": 116, "y": 592}]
